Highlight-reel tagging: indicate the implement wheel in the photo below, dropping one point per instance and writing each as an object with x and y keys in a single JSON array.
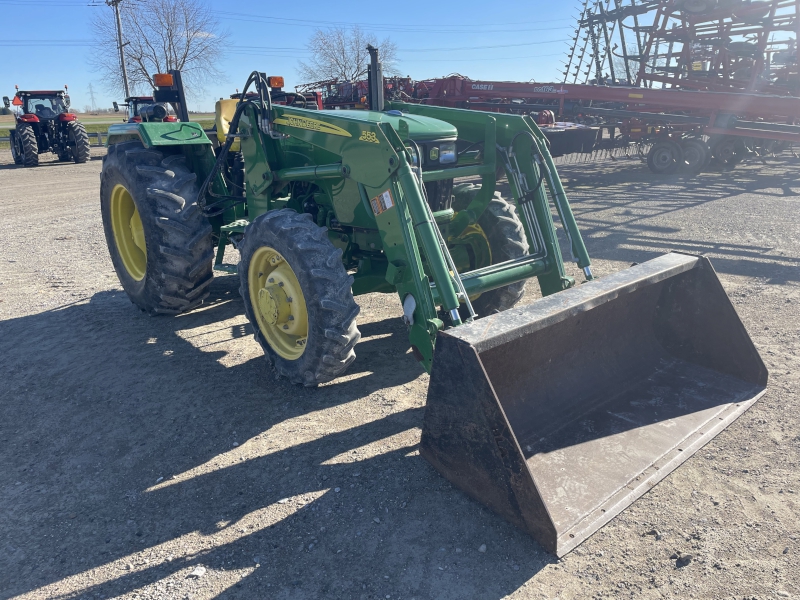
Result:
[
  {"x": 728, "y": 151},
  {"x": 696, "y": 155},
  {"x": 505, "y": 235},
  {"x": 159, "y": 241},
  {"x": 665, "y": 157},
  {"x": 298, "y": 297}
]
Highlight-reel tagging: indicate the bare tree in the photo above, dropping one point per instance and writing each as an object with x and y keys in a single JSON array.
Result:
[
  {"x": 159, "y": 35},
  {"x": 341, "y": 53}
]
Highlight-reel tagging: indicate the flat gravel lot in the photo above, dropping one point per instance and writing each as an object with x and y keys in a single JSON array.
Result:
[{"x": 161, "y": 458}]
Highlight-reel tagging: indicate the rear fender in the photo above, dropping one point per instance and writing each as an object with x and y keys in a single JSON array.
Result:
[
  {"x": 188, "y": 138},
  {"x": 159, "y": 134}
]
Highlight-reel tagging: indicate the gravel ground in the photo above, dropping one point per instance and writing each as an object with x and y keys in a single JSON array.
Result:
[{"x": 160, "y": 458}]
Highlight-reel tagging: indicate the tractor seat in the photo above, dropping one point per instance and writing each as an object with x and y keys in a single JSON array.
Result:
[
  {"x": 224, "y": 111},
  {"x": 44, "y": 112}
]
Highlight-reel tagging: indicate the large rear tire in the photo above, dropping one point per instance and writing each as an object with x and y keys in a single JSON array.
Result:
[
  {"x": 506, "y": 236},
  {"x": 158, "y": 239},
  {"x": 16, "y": 149},
  {"x": 298, "y": 297},
  {"x": 28, "y": 145},
  {"x": 79, "y": 142}
]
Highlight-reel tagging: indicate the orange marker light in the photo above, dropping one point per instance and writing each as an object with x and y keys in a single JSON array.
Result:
[
  {"x": 275, "y": 82},
  {"x": 163, "y": 80}
]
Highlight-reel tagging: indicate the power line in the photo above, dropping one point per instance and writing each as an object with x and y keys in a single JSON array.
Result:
[
  {"x": 390, "y": 28},
  {"x": 279, "y": 51},
  {"x": 492, "y": 58},
  {"x": 328, "y": 23}
]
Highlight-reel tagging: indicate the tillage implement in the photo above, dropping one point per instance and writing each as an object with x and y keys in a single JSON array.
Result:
[{"x": 556, "y": 415}]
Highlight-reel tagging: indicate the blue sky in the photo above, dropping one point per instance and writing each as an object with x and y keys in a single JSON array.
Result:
[{"x": 518, "y": 41}]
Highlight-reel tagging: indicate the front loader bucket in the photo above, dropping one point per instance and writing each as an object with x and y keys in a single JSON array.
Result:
[{"x": 559, "y": 414}]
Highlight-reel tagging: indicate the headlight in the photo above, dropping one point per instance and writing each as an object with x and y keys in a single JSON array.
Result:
[{"x": 447, "y": 153}]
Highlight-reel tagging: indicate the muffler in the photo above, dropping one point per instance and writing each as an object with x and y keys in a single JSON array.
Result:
[{"x": 558, "y": 415}]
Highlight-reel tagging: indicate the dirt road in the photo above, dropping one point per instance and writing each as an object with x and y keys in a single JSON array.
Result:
[{"x": 160, "y": 458}]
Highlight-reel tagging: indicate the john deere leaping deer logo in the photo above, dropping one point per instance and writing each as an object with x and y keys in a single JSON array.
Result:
[{"x": 311, "y": 125}]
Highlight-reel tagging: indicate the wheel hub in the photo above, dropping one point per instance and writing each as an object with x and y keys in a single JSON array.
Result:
[
  {"x": 726, "y": 151},
  {"x": 663, "y": 157},
  {"x": 137, "y": 231},
  {"x": 692, "y": 156},
  {"x": 278, "y": 303},
  {"x": 274, "y": 305}
]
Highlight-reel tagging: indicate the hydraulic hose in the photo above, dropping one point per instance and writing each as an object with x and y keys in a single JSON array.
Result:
[{"x": 223, "y": 202}]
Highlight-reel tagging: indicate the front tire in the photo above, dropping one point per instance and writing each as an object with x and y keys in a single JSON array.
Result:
[
  {"x": 298, "y": 297},
  {"x": 506, "y": 236},
  {"x": 28, "y": 145},
  {"x": 158, "y": 239}
]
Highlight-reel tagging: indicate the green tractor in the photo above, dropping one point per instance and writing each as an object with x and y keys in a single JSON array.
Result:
[{"x": 557, "y": 415}]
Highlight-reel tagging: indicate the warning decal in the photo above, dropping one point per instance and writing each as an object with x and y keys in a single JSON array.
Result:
[{"x": 382, "y": 202}]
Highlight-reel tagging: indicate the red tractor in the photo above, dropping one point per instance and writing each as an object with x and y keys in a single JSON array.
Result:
[{"x": 44, "y": 123}]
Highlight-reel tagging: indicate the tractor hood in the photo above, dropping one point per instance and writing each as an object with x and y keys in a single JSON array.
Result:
[{"x": 420, "y": 128}]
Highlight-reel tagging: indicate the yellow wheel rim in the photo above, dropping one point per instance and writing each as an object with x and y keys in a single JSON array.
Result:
[
  {"x": 128, "y": 232},
  {"x": 278, "y": 303}
]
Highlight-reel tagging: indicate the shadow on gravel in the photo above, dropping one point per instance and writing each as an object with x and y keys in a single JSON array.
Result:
[
  {"x": 100, "y": 401},
  {"x": 616, "y": 206}
]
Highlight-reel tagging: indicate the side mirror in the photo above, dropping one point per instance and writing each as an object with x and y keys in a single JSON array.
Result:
[
  {"x": 6, "y": 102},
  {"x": 66, "y": 100},
  {"x": 116, "y": 106}
]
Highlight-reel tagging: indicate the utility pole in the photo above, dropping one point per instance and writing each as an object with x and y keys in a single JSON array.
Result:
[{"x": 120, "y": 45}]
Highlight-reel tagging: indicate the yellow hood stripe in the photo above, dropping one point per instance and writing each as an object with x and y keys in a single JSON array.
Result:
[{"x": 311, "y": 125}]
